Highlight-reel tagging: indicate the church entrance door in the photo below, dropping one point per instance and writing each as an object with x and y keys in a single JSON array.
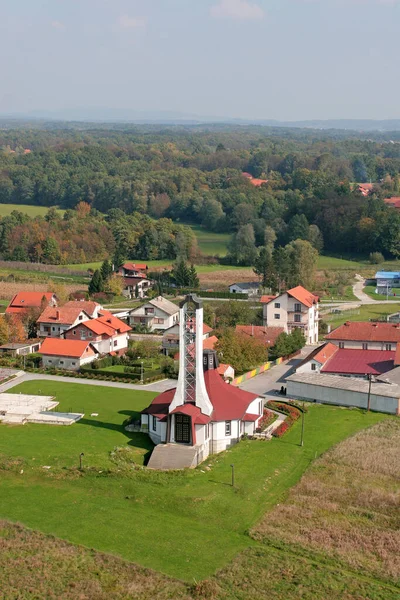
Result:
[{"x": 182, "y": 429}]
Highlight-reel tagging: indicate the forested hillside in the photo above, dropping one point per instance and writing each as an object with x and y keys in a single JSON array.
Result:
[{"x": 137, "y": 183}]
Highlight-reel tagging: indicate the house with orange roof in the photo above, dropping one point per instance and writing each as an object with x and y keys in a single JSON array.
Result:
[
  {"x": 90, "y": 307},
  {"x": 56, "y": 320},
  {"x": 107, "y": 334},
  {"x": 314, "y": 362},
  {"x": 67, "y": 354},
  {"x": 268, "y": 335},
  {"x": 393, "y": 201},
  {"x": 130, "y": 269},
  {"x": 295, "y": 308},
  {"x": 23, "y": 302}
]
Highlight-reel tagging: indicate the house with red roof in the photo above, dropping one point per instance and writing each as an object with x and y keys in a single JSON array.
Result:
[
  {"x": 130, "y": 269},
  {"x": 268, "y": 335},
  {"x": 254, "y": 180},
  {"x": 107, "y": 334},
  {"x": 56, "y": 320},
  {"x": 366, "y": 335},
  {"x": 349, "y": 362},
  {"x": 393, "y": 201},
  {"x": 23, "y": 302},
  {"x": 67, "y": 354},
  {"x": 295, "y": 308},
  {"x": 203, "y": 415}
]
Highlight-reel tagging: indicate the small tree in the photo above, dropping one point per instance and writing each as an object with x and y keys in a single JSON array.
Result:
[
  {"x": 106, "y": 270},
  {"x": 96, "y": 283},
  {"x": 376, "y": 258},
  {"x": 181, "y": 273},
  {"x": 194, "y": 278}
]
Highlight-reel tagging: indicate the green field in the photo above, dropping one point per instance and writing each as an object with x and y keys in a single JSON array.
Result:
[
  {"x": 210, "y": 243},
  {"x": 31, "y": 211},
  {"x": 370, "y": 290},
  {"x": 363, "y": 313},
  {"x": 186, "y": 524}
]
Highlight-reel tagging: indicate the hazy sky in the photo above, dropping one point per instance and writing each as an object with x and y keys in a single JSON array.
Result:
[{"x": 273, "y": 59}]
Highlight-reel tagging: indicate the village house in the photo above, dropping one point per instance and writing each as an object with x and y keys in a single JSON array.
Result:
[
  {"x": 107, "y": 334},
  {"x": 227, "y": 372},
  {"x": 203, "y": 415},
  {"x": 67, "y": 354},
  {"x": 366, "y": 335},
  {"x": 129, "y": 269},
  {"x": 251, "y": 288},
  {"x": 157, "y": 314},
  {"x": 295, "y": 308},
  {"x": 54, "y": 321},
  {"x": 23, "y": 302},
  {"x": 268, "y": 335},
  {"x": 91, "y": 308},
  {"x": 136, "y": 287},
  {"x": 394, "y": 202},
  {"x": 349, "y": 362},
  {"x": 170, "y": 341},
  {"x": 21, "y": 348}
]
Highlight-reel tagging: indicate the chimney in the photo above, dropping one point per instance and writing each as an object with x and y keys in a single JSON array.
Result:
[
  {"x": 58, "y": 315},
  {"x": 210, "y": 360}
]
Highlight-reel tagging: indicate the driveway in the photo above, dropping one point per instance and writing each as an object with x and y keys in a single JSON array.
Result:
[
  {"x": 266, "y": 383},
  {"x": 157, "y": 386}
]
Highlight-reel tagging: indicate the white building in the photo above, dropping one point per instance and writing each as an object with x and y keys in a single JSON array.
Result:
[
  {"x": 203, "y": 414},
  {"x": 67, "y": 354},
  {"x": 107, "y": 334},
  {"x": 54, "y": 321},
  {"x": 366, "y": 335},
  {"x": 251, "y": 288},
  {"x": 135, "y": 287},
  {"x": 157, "y": 314},
  {"x": 296, "y": 308}
]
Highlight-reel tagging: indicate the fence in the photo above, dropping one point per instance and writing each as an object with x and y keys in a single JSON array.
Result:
[{"x": 265, "y": 367}]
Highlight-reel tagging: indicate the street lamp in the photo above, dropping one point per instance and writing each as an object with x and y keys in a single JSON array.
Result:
[
  {"x": 80, "y": 460},
  {"x": 302, "y": 427},
  {"x": 141, "y": 372},
  {"x": 233, "y": 475}
]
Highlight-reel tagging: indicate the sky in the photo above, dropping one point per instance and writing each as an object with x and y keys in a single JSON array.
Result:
[{"x": 256, "y": 59}]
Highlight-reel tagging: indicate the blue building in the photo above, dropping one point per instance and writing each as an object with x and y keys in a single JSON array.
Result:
[{"x": 386, "y": 280}]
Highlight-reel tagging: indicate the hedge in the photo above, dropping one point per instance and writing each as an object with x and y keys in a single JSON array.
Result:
[{"x": 204, "y": 294}]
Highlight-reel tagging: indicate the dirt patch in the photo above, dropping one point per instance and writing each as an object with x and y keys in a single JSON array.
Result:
[{"x": 221, "y": 280}]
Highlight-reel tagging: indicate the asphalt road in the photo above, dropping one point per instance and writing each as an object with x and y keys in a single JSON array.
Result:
[{"x": 267, "y": 383}]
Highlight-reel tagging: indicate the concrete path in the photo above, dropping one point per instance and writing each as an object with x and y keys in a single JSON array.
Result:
[
  {"x": 157, "y": 386},
  {"x": 358, "y": 291}
]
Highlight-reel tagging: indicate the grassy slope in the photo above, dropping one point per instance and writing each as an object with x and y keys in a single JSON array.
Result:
[
  {"x": 166, "y": 521},
  {"x": 31, "y": 211},
  {"x": 363, "y": 313}
]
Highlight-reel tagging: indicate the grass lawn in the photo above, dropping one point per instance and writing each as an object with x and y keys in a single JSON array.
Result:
[
  {"x": 185, "y": 524},
  {"x": 363, "y": 313},
  {"x": 31, "y": 211},
  {"x": 370, "y": 290},
  {"x": 210, "y": 243}
]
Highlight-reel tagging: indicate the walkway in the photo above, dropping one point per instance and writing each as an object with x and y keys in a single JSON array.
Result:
[
  {"x": 358, "y": 291},
  {"x": 157, "y": 386}
]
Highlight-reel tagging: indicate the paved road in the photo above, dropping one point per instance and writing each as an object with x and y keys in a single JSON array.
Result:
[
  {"x": 266, "y": 383},
  {"x": 158, "y": 386}
]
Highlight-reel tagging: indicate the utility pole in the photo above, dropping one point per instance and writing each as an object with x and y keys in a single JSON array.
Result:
[
  {"x": 80, "y": 460},
  {"x": 141, "y": 372},
  {"x": 233, "y": 475},
  {"x": 302, "y": 427},
  {"x": 369, "y": 392}
]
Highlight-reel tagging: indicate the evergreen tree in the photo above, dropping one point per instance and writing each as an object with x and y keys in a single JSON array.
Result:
[
  {"x": 96, "y": 283},
  {"x": 265, "y": 269},
  {"x": 181, "y": 273},
  {"x": 194, "y": 278},
  {"x": 106, "y": 270}
]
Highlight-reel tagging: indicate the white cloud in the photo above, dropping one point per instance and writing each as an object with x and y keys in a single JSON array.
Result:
[
  {"x": 126, "y": 22},
  {"x": 237, "y": 9},
  {"x": 57, "y": 25}
]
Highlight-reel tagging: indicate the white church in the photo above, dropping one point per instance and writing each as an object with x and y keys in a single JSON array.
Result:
[{"x": 203, "y": 415}]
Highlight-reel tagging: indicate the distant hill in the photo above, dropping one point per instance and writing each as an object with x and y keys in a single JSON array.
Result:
[{"x": 112, "y": 115}]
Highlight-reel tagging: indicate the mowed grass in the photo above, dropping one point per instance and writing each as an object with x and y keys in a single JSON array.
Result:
[
  {"x": 31, "y": 211},
  {"x": 365, "y": 312},
  {"x": 370, "y": 290},
  {"x": 185, "y": 524}
]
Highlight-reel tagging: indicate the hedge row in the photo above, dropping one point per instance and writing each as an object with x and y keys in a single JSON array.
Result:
[
  {"x": 96, "y": 375},
  {"x": 204, "y": 294},
  {"x": 118, "y": 375}
]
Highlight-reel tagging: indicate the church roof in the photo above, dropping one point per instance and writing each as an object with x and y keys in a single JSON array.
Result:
[{"x": 229, "y": 402}]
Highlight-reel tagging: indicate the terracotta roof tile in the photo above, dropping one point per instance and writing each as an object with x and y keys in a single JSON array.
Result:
[
  {"x": 364, "y": 331},
  {"x": 64, "y": 314},
  {"x": 266, "y": 334},
  {"x": 23, "y": 301},
  {"x": 360, "y": 362},
  {"x": 68, "y": 348},
  {"x": 302, "y": 295}
]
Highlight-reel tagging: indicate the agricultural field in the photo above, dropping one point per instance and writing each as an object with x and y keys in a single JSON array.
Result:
[
  {"x": 194, "y": 502},
  {"x": 364, "y": 312},
  {"x": 8, "y": 289},
  {"x": 31, "y": 211}
]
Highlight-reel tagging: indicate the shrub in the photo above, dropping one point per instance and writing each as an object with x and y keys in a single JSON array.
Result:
[
  {"x": 283, "y": 427},
  {"x": 376, "y": 258}
]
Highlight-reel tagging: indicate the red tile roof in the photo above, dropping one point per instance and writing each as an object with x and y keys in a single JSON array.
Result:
[
  {"x": 325, "y": 352},
  {"x": 266, "y": 334},
  {"x": 134, "y": 266},
  {"x": 253, "y": 180},
  {"x": 67, "y": 348},
  {"x": 108, "y": 319},
  {"x": 208, "y": 344},
  {"x": 66, "y": 315},
  {"x": 192, "y": 411},
  {"x": 365, "y": 331},
  {"x": 87, "y": 305},
  {"x": 360, "y": 362},
  {"x": 106, "y": 324},
  {"x": 302, "y": 295},
  {"x": 394, "y": 201},
  {"x": 23, "y": 301},
  {"x": 266, "y": 299},
  {"x": 229, "y": 402}
]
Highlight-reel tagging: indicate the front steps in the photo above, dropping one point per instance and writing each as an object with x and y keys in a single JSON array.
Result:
[{"x": 166, "y": 457}]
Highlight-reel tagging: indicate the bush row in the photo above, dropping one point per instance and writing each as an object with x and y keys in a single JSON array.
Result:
[
  {"x": 107, "y": 376},
  {"x": 287, "y": 408}
]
